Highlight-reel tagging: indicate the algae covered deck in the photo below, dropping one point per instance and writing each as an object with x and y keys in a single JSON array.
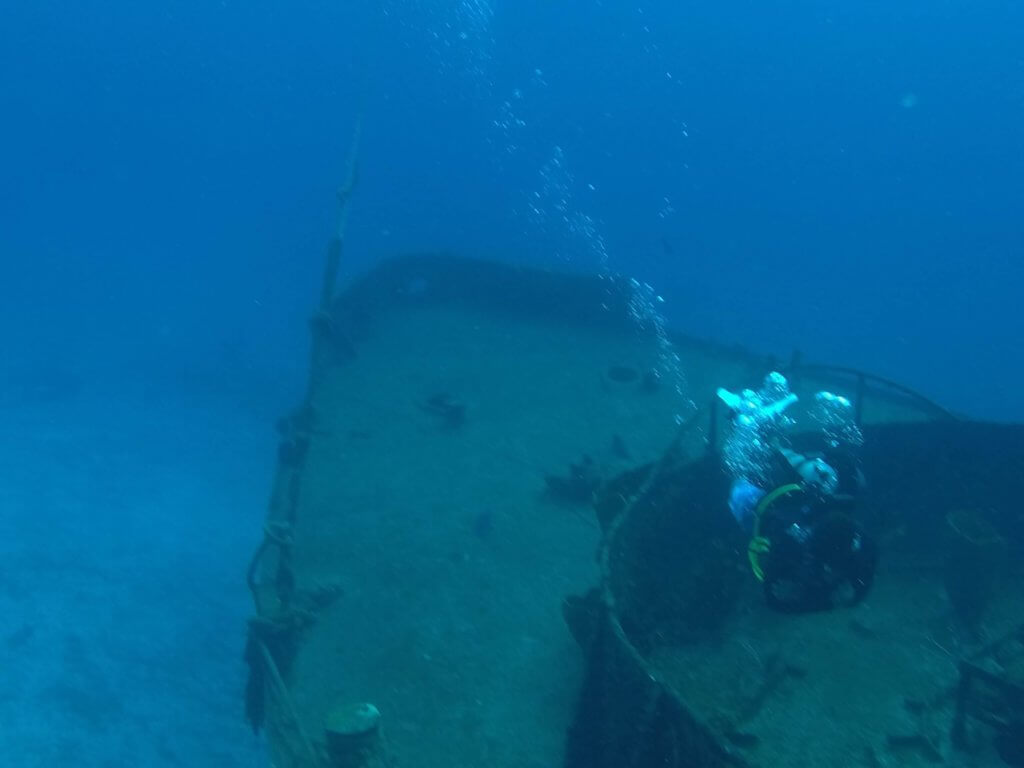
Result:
[
  {"x": 460, "y": 406},
  {"x": 872, "y": 686},
  {"x": 424, "y": 498}
]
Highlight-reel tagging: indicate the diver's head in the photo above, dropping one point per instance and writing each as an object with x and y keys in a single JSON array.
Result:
[
  {"x": 815, "y": 473},
  {"x": 820, "y": 476}
]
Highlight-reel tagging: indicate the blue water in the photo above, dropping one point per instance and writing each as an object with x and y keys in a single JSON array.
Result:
[{"x": 842, "y": 178}]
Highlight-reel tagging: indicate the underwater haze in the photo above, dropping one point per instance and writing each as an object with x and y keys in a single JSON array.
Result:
[
  {"x": 845, "y": 179},
  {"x": 839, "y": 178}
]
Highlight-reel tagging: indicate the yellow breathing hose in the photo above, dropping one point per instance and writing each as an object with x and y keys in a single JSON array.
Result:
[{"x": 759, "y": 545}]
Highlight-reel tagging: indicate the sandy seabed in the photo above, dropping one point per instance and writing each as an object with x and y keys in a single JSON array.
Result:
[{"x": 126, "y": 529}]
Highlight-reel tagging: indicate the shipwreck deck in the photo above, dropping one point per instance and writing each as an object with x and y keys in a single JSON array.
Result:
[{"x": 444, "y": 436}]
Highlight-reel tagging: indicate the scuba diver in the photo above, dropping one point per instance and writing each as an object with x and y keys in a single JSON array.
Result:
[{"x": 806, "y": 546}]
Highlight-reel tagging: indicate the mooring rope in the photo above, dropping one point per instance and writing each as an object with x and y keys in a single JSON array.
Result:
[
  {"x": 286, "y": 700},
  {"x": 278, "y": 530}
]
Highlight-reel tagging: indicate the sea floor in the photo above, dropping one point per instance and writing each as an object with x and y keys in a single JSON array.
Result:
[{"x": 127, "y": 524}]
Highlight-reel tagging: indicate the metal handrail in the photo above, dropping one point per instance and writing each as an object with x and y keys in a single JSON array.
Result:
[{"x": 863, "y": 379}]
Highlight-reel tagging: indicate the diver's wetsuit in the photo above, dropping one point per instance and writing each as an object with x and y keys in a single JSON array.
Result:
[{"x": 820, "y": 555}]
